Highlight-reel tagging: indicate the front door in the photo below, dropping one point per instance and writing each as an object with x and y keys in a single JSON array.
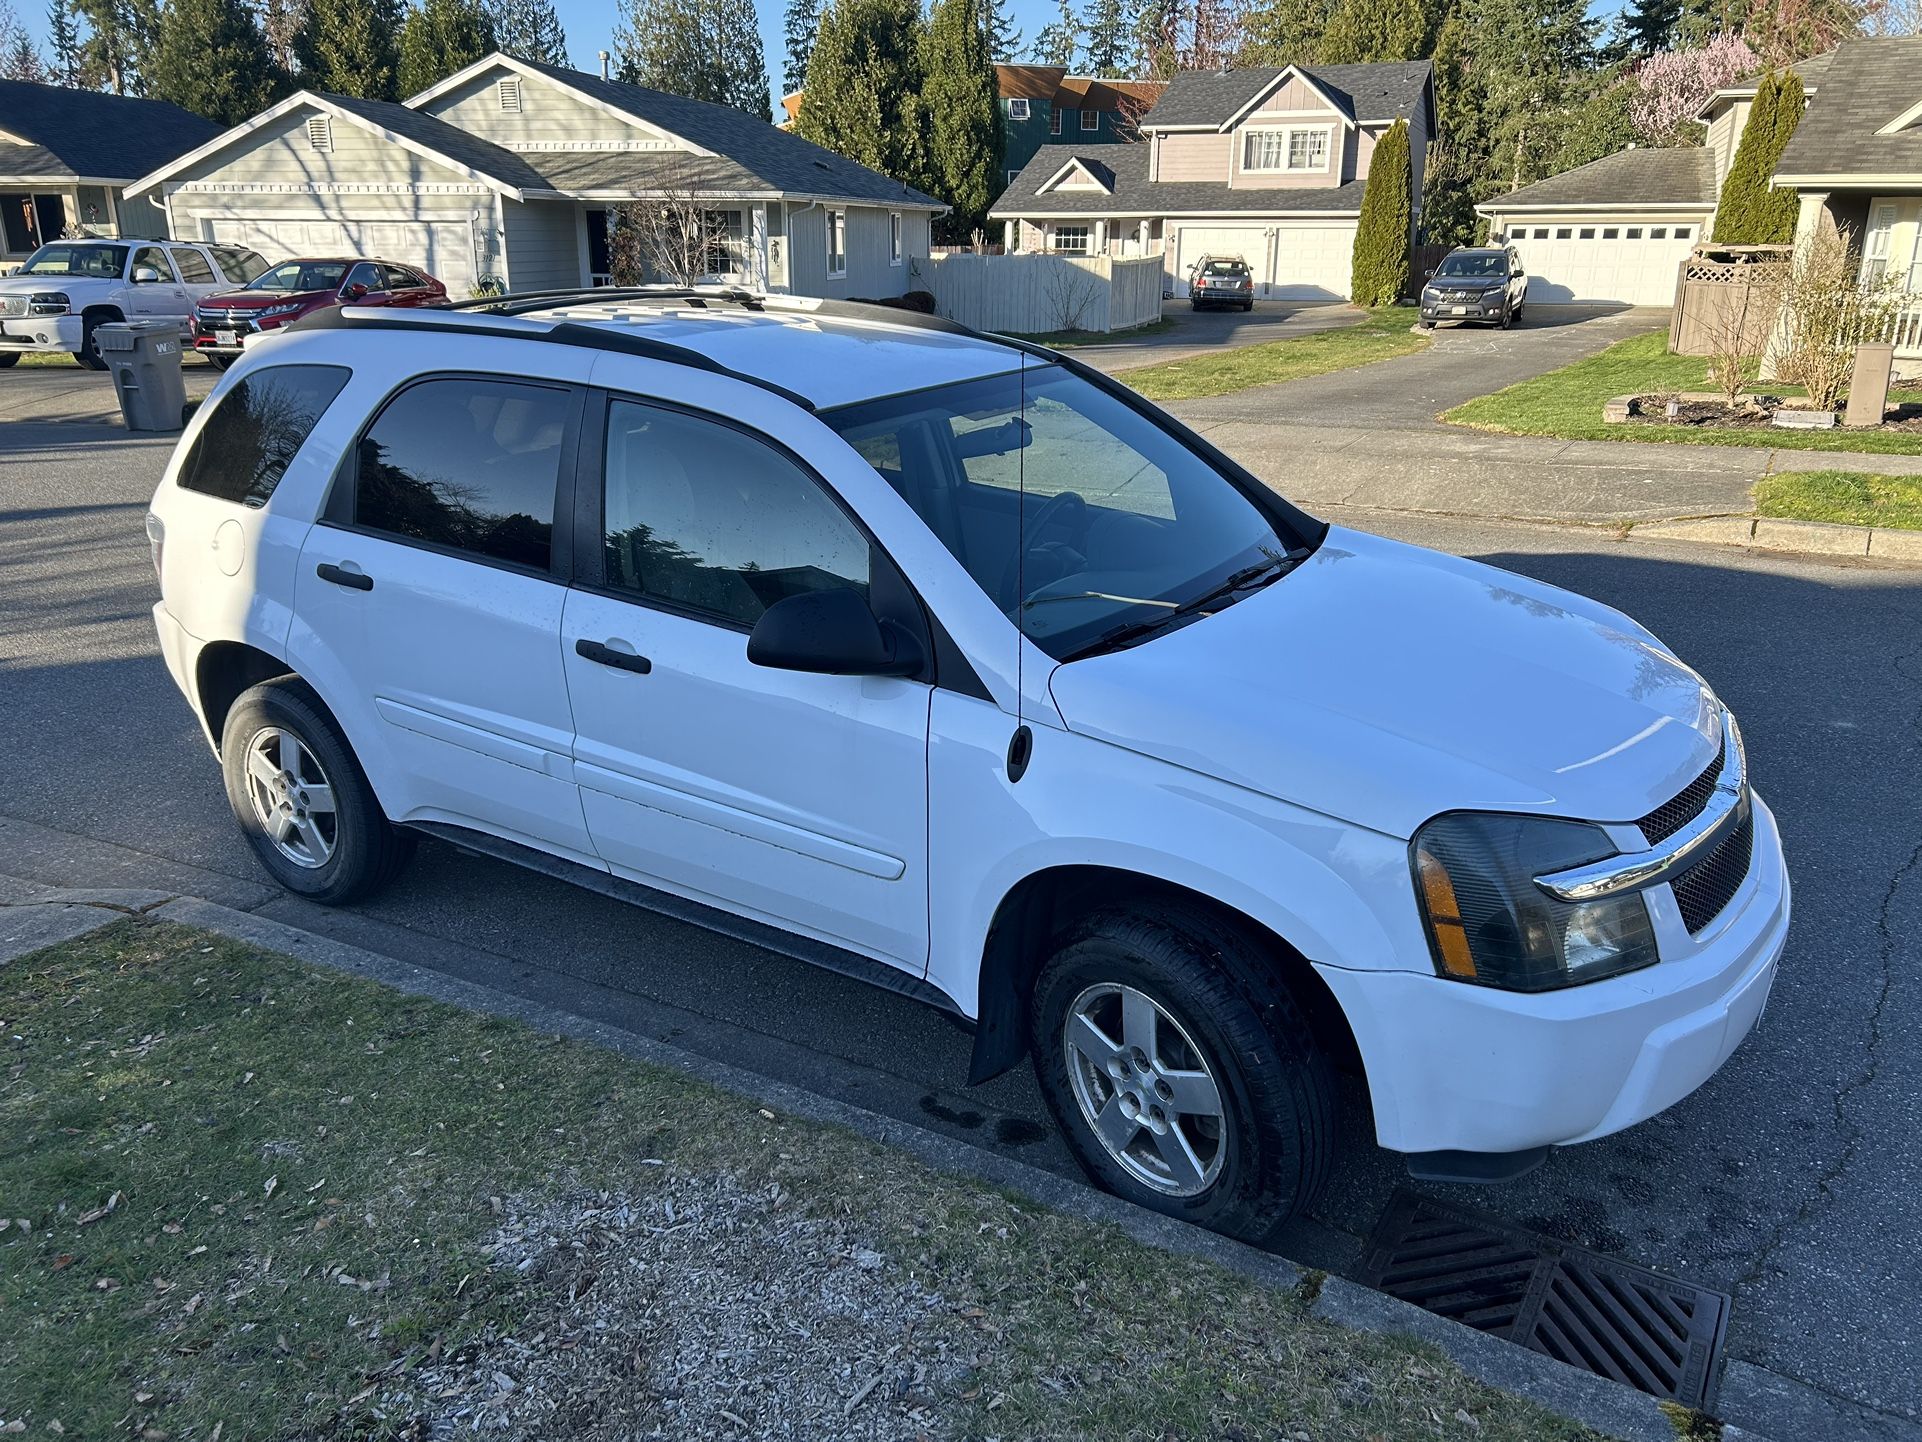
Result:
[
  {"x": 152, "y": 299},
  {"x": 790, "y": 798}
]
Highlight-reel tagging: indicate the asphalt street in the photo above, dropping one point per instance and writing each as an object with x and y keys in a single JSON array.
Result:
[{"x": 1792, "y": 1180}]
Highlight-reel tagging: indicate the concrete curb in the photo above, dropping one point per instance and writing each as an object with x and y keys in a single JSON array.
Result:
[
  {"x": 1808, "y": 538},
  {"x": 1607, "y": 1407}
]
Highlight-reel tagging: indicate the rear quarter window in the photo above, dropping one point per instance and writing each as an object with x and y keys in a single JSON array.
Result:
[{"x": 256, "y": 429}]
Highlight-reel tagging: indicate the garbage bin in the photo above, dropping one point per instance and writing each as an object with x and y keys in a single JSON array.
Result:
[{"x": 144, "y": 356}]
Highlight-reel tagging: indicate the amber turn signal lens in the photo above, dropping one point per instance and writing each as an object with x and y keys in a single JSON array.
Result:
[{"x": 1445, "y": 918}]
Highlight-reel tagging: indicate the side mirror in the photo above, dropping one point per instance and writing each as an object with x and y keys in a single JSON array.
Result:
[
  {"x": 354, "y": 291},
  {"x": 831, "y": 633},
  {"x": 1428, "y": 274},
  {"x": 145, "y": 275}
]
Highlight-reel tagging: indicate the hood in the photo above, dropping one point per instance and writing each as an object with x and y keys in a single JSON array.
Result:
[
  {"x": 22, "y": 284},
  {"x": 261, "y": 299},
  {"x": 1384, "y": 684}
]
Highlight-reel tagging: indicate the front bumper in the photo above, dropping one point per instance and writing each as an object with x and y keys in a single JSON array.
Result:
[
  {"x": 41, "y": 332},
  {"x": 1454, "y": 1067},
  {"x": 1478, "y": 309}
]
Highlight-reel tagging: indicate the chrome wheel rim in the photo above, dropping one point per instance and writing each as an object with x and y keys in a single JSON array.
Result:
[
  {"x": 1145, "y": 1089},
  {"x": 292, "y": 798}
]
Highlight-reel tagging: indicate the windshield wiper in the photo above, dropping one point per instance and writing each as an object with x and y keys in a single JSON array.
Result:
[{"x": 1260, "y": 574}]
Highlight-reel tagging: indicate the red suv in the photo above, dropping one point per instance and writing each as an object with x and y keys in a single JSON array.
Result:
[{"x": 294, "y": 288}]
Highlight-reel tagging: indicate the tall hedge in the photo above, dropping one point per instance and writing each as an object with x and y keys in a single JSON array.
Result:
[
  {"x": 1749, "y": 213},
  {"x": 1383, "y": 237}
]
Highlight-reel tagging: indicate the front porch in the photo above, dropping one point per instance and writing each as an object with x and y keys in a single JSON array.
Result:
[{"x": 33, "y": 212}]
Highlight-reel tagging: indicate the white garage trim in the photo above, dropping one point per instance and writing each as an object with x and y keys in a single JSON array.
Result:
[
  {"x": 1590, "y": 256},
  {"x": 444, "y": 247},
  {"x": 1292, "y": 260}
]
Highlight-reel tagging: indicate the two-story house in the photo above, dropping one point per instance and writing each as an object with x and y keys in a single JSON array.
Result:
[
  {"x": 1265, "y": 164},
  {"x": 512, "y": 172},
  {"x": 1045, "y": 105}
]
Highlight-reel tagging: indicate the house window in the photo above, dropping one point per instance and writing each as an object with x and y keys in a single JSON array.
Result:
[
  {"x": 723, "y": 233},
  {"x": 510, "y": 94},
  {"x": 320, "y": 132},
  {"x": 1054, "y": 122},
  {"x": 1017, "y": 110},
  {"x": 1275, "y": 150},
  {"x": 1875, "y": 248},
  {"x": 894, "y": 237},
  {"x": 837, "y": 242},
  {"x": 1011, "y": 176},
  {"x": 1070, "y": 239},
  {"x": 1091, "y": 120}
]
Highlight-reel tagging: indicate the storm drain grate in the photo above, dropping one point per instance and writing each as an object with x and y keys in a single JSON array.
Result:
[{"x": 1590, "y": 1311}]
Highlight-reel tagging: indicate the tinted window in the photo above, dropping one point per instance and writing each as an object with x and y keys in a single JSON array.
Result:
[
  {"x": 239, "y": 265},
  {"x": 255, "y": 430},
  {"x": 154, "y": 256},
  {"x": 469, "y": 464},
  {"x": 193, "y": 267},
  {"x": 366, "y": 274},
  {"x": 301, "y": 275},
  {"x": 703, "y": 516},
  {"x": 398, "y": 279}
]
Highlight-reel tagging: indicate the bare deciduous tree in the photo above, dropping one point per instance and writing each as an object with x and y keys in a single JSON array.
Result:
[
  {"x": 1827, "y": 312},
  {"x": 676, "y": 236},
  {"x": 1071, "y": 290}
]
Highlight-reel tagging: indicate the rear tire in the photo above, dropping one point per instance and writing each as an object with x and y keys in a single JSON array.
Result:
[
  {"x": 1223, "y": 1027},
  {"x": 302, "y": 800}
]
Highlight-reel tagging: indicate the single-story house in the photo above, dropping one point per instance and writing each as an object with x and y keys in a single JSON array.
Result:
[
  {"x": 1267, "y": 164},
  {"x": 68, "y": 156},
  {"x": 511, "y": 172},
  {"x": 1615, "y": 231}
]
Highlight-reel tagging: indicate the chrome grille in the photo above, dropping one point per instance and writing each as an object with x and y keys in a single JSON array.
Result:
[
  {"x": 1675, "y": 813},
  {"x": 1708, "y": 886}
]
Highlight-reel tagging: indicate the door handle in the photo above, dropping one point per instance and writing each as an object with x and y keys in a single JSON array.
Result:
[
  {"x": 352, "y": 580},
  {"x": 607, "y": 656}
]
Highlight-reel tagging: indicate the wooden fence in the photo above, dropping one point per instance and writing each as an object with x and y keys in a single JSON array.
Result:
[
  {"x": 1727, "y": 297},
  {"x": 1040, "y": 294}
]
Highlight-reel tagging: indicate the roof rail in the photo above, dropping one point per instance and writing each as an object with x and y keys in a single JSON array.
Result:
[
  {"x": 519, "y": 302},
  {"x": 560, "y": 333}
]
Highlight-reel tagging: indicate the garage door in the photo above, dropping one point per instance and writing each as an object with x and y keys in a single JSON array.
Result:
[
  {"x": 1299, "y": 262},
  {"x": 1625, "y": 263},
  {"x": 444, "y": 247}
]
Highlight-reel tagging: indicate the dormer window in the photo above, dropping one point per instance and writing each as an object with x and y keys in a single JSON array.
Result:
[
  {"x": 1091, "y": 120},
  {"x": 1285, "y": 149},
  {"x": 1017, "y": 110},
  {"x": 320, "y": 132},
  {"x": 510, "y": 94}
]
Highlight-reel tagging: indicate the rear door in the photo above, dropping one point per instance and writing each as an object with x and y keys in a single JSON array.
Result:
[
  {"x": 435, "y": 583},
  {"x": 197, "y": 274}
]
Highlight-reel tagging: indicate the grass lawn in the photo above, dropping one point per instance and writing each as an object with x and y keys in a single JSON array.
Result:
[
  {"x": 1567, "y": 404},
  {"x": 1070, "y": 339},
  {"x": 43, "y": 358},
  {"x": 249, "y": 1198},
  {"x": 1383, "y": 333},
  {"x": 1850, "y": 498}
]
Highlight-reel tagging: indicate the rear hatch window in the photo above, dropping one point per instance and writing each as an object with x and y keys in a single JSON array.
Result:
[{"x": 257, "y": 429}]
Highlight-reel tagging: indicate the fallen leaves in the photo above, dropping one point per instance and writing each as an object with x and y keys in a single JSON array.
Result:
[{"x": 112, "y": 1204}]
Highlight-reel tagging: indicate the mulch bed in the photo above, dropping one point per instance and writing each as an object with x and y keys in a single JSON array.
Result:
[{"x": 1749, "y": 414}]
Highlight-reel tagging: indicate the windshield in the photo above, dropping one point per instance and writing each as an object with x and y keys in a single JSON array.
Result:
[
  {"x": 1087, "y": 523},
  {"x": 299, "y": 275},
  {"x": 1474, "y": 267},
  {"x": 1225, "y": 267},
  {"x": 100, "y": 262}
]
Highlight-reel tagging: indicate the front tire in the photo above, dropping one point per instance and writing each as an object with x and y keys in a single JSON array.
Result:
[
  {"x": 1184, "y": 1075},
  {"x": 302, "y": 800},
  {"x": 220, "y": 362},
  {"x": 8, "y": 357},
  {"x": 89, "y": 353}
]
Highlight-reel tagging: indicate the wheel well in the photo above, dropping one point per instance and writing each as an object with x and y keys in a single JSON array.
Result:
[
  {"x": 1034, "y": 916},
  {"x": 225, "y": 669},
  {"x": 102, "y": 312}
]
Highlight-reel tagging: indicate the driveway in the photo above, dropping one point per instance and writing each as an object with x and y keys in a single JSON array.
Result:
[
  {"x": 1191, "y": 332},
  {"x": 1793, "y": 1180}
]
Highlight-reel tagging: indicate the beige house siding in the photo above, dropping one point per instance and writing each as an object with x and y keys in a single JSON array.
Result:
[
  {"x": 1724, "y": 134},
  {"x": 870, "y": 272},
  {"x": 543, "y": 244},
  {"x": 1188, "y": 156},
  {"x": 1418, "y": 138},
  {"x": 549, "y": 118}
]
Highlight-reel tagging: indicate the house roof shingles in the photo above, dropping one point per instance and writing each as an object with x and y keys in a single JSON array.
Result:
[
  {"x": 70, "y": 134},
  {"x": 1364, "y": 92},
  {"x": 779, "y": 160},
  {"x": 1135, "y": 194},
  {"x": 1629, "y": 178},
  {"x": 1867, "y": 84}
]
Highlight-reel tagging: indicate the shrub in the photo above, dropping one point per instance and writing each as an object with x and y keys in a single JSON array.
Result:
[
  {"x": 1749, "y": 213},
  {"x": 1384, "y": 234},
  {"x": 1826, "y": 314}
]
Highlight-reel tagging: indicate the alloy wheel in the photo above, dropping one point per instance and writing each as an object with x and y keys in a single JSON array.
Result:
[
  {"x": 1145, "y": 1089},
  {"x": 292, "y": 798}
]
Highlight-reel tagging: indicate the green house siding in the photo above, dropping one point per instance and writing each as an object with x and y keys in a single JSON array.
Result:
[{"x": 1024, "y": 137}]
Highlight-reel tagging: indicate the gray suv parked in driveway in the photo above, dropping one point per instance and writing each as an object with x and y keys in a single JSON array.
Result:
[{"x": 1476, "y": 283}]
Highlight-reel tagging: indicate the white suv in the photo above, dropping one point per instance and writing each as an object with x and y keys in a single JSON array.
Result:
[
  {"x": 945, "y": 661},
  {"x": 67, "y": 287}
]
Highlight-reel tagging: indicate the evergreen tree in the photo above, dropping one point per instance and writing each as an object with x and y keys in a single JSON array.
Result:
[
  {"x": 63, "y": 45},
  {"x": 1650, "y": 26},
  {"x": 1060, "y": 39},
  {"x": 530, "y": 29},
  {"x": 864, "y": 87},
  {"x": 439, "y": 37},
  {"x": 1004, "y": 36},
  {"x": 1105, "y": 41},
  {"x": 1749, "y": 212},
  {"x": 703, "y": 49},
  {"x": 209, "y": 57},
  {"x": 21, "y": 61},
  {"x": 964, "y": 121},
  {"x": 1461, "y": 143},
  {"x": 1286, "y": 32},
  {"x": 1363, "y": 32},
  {"x": 1384, "y": 234},
  {"x": 348, "y": 47},
  {"x": 119, "y": 33},
  {"x": 802, "y": 21}
]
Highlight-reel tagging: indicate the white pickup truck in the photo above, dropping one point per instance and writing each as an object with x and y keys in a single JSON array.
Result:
[{"x": 68, "y": 287}]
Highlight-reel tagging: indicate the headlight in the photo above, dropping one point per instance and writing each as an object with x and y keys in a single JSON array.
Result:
[
  {"x": 287, "y": 309},
  {"x": 1489, "y": 923},
  {"x": 1428, "y": 292},
  {"x": 48, "y": 302}
]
